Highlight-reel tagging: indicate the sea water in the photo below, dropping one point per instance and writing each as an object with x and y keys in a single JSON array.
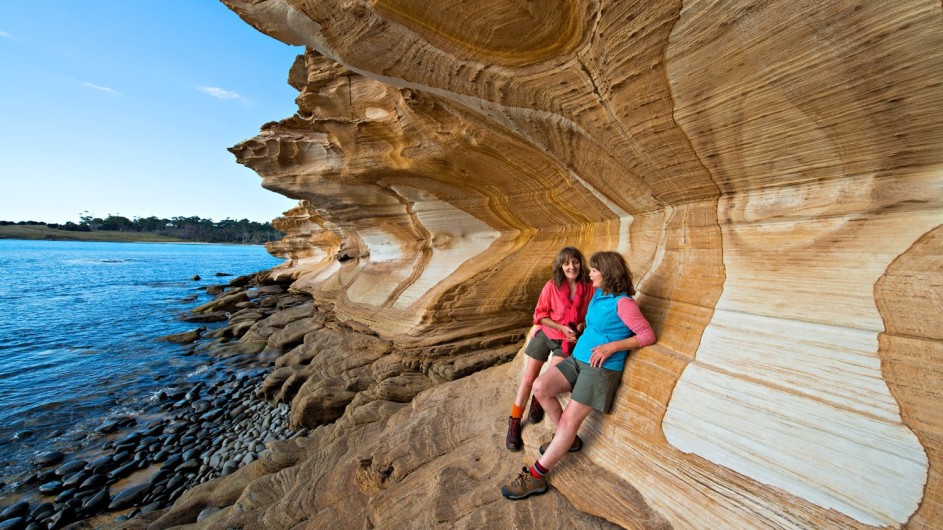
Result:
[{"x": 78, "y": 323}]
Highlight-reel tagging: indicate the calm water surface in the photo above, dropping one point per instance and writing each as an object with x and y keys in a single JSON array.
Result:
[{"x": 77, "y": 327}]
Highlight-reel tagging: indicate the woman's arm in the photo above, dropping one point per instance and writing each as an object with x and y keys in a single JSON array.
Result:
[
  {"x": 632, "y": 317},
  {"x": 567, "y": 332},
  {"x": 542, "y": 311}
]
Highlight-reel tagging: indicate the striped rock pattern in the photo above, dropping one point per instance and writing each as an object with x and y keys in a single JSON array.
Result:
[{"x": 773, "y": 172}]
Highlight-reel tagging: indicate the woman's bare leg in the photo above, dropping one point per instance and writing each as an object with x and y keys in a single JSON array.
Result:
[
  {"x": 531, "y": 371},
  {"x": 546, "y": 388},
  {"x": 567, "y": 427}
]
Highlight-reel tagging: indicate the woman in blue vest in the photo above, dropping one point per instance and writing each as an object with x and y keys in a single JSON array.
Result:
[{"x": 614, "y": 325}]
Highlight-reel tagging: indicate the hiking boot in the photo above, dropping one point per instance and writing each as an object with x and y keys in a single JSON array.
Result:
[
  {"x": 577, "y": 445},
  {"x": 524, "y": 486},
  {"x": 514, "y": 442},
  {"x": 536, "y": 411}
]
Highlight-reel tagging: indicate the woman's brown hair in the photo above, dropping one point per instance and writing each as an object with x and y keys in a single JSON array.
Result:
[
  {"x": 562, "y": 257},
  {"x": 616, "y": 276}
]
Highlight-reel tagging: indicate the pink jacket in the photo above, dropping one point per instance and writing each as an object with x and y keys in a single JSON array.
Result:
[{"x": 554, "y": 303}]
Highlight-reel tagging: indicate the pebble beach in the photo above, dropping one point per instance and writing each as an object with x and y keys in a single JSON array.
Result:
[{"x": 199, "y": 430}]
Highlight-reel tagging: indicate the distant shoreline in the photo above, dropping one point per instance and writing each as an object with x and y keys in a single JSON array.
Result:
[{"x": 44, "y": 233}]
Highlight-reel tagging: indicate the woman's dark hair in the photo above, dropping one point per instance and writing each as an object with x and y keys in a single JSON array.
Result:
[
  {"x": 616, "y": 276},
  {"x": 562, "y": 257}
]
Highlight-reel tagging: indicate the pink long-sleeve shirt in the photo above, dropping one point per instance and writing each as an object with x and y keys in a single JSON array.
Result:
[
  {"x": 631, "y": 316},
  {"x": 554, "y": 303}
]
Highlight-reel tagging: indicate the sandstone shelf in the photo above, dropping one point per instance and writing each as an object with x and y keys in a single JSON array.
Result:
[{"x": 773, "y": 173}]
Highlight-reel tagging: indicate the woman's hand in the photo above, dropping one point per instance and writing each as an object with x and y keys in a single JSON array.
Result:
[
  {"x": 568, "y": 333},
  {"x": 601, "y": 353}
]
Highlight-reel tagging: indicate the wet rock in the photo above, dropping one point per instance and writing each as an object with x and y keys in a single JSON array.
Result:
[
  {"x": 194, "y": 393},
  {"x": 20, "y": 509},
  {"x": 13, "y": 524},
  {"x": 189, "y": 465},
  {"x": 42, "y": 477},
  {"x": 65, "y": 495},
  {"x": 223, "y": 303},
  {"x": 42, "y": 511},
  {"x": 185, "y": 337},
  {"x": 156, "y": 505},
  {"x": 126, "y": 469},
  {"x": 61, "y": 518},
  {"x": 215, "y": 290},
  {"x": 49, "y": 458},
  {"x": 71, "y": 467},
  {"x": 129, "y": 497},
  {"x": 242, "y": 281},
  {"x": 93, "y": 481},
  {"x": 148, "y": 440},
  {"x": 96, "y": 502},
  {"x": 50, "y": 488},
  {"x": 175, "y": 482},
  {"x": 102, "y": 465},
  {"x": 75, "y": 479},
  {"x": 212, "y": 316},
  {"x": 128, "y": 439}
]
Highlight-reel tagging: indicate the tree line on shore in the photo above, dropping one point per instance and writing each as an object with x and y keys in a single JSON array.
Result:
[{"x": 185, "y": 228}]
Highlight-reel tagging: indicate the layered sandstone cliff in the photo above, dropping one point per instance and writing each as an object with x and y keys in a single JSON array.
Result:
[{"x": 773, "y": 173}]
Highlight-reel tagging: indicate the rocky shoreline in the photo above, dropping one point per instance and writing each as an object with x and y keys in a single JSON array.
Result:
[
  {"x": 204, "y": 430},
  {"x": 287, "y": 375}
]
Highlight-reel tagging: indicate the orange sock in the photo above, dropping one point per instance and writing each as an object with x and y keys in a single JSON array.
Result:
[{"x": 517, "y": 411}]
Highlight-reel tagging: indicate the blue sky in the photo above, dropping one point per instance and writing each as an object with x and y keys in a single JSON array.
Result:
[{"x": 128, "y": 106}]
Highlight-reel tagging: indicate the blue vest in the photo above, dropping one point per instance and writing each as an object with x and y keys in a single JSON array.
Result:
[{"x": 603, "y": 325}]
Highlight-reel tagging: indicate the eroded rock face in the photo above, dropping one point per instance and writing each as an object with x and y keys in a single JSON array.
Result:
[{"x": 772, "y": 171}]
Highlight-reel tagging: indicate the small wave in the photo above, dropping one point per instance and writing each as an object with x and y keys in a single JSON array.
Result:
[
  {"x": 52, "y": 405},
  {"x": 166, "y": 284},
  {"x": 16, "y": 370},
  {"x": 87, "y": 261},
  {"x": 198, "y": 371}
]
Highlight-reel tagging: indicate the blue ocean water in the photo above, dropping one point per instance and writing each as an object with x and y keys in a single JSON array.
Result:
[{"x": 78, "y": 323}]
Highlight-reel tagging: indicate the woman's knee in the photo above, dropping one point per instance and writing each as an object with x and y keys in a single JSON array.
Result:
[
  {"x": 573, "y": 416},
  {"x": 550, "y": 384},
  {"x": 539, "y": 387}
]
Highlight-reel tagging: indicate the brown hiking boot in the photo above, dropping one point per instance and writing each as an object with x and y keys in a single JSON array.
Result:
[
  {"x": 577, "y": 445},
  {"x": 514, "y": 442},
  {"x": 524, "y": 486},
  {"x": 536, "y": 411}
]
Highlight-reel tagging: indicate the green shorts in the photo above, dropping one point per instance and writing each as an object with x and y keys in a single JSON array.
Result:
[
  {"x": 593, "y": 387},
  {"x": 540, "y": 347}
]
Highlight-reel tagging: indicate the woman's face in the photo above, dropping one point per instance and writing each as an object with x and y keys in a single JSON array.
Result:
[
  {"x": 571, "y": 268},
  {"x": 596, "y": 277}
]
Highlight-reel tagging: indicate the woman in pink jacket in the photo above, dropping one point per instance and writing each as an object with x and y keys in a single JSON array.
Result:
[{"x": 559, "y": 316}]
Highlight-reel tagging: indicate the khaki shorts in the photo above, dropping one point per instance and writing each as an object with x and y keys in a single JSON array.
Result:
[
  {"x": 540, "y": 347},
  {"x": 593, "y": 387}
]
